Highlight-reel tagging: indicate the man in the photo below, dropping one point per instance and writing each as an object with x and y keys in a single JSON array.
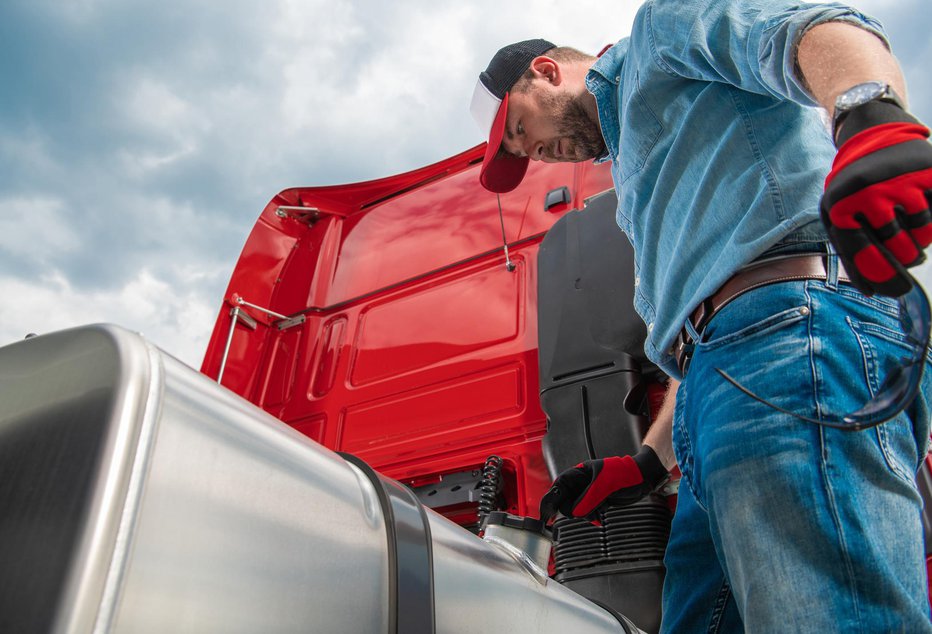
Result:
[{"x": 709, "y": 114}]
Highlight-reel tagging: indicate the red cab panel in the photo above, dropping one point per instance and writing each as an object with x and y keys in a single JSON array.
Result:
[{"x": 380, "y": 319}]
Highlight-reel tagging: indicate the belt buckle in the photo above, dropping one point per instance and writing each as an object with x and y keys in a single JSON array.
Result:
[
  {"x": 683, "y": 350},
  {"x": 684, "y": 341}
]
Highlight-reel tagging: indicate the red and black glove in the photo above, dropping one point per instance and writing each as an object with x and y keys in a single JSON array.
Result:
[
  {"x": 579, "y": 491},
  {"x": 877, "y": 197}
]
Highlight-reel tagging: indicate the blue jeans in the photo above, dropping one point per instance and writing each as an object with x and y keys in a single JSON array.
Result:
[{"x": 783, "y": 525}]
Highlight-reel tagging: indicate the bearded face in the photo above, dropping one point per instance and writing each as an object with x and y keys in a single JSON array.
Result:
[
  {"x": 578, "y": 137},
  {"x": 552, "y": 124}
]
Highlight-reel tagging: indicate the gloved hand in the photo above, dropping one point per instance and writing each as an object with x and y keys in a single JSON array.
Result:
[
  {"x": 577, "y": 492},
  {"x": 877, "y": 197}
]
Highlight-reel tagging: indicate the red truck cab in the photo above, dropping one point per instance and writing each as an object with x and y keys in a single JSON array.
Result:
[{"x": 408, "y": 342}]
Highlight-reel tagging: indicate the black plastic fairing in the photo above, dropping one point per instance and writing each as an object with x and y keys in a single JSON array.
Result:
[{"x": 593, "y": 370}]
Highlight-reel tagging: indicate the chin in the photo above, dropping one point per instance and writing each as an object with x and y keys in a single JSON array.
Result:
[{"x": 580, "y": 157}]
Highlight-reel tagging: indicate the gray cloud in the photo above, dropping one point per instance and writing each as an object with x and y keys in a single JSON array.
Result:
[{"x": 139, "y": 141}]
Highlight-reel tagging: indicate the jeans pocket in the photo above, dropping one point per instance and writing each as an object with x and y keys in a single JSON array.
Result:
[
  {"x": 886, "y": 305},
  {"x": 732, "y": 330},
  {"x": 903, "y": 440}
]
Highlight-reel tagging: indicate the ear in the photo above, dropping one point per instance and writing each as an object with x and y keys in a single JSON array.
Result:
[{"x": 548, "y": 69}]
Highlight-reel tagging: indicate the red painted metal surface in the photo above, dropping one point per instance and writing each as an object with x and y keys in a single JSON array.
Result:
[{"x": 418, "y": 349}]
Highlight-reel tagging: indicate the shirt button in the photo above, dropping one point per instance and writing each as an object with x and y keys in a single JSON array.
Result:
[
  {"x": 637, "y": 281},
  {"x": 617, "y": 77},
  {"x": 650, "y": 327}
]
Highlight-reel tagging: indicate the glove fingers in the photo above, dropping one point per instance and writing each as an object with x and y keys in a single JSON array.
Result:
[
  {"x": 564, "y": 492},
  {"x": 549, "y": 504},
  {"x": 910, "y": 241},
  {"x": 627, "y": 496},
  {"x": 589, "y": 498},
  {"x": 612, "y": 475},
  {"x": 897, "y": 242},
  {"x": 912, "y": 218},
  {"x": 871, "y": 267},
  {"x": 896, "y": 210},
  {"x": 849, "y": 242},
  {"x": 919, "y": 223},
  {"x": 892, "y": 279}
]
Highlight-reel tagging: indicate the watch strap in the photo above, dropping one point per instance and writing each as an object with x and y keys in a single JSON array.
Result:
[{"x": 877, "y": 112}]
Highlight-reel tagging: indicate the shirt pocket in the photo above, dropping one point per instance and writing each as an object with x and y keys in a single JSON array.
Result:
[{"x": 640, "y": 130}]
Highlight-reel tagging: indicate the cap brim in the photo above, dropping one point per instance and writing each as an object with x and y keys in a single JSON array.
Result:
[{"x": 501, "y": 172}]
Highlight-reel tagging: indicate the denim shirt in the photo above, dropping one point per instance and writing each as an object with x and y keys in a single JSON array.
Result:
[{"x": 718, "y": 151}]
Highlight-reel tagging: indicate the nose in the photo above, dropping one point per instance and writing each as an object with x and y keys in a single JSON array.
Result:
[{"x": 535, "y": 150}]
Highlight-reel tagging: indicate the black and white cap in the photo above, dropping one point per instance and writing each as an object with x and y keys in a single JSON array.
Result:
[{"x": 501, "y": 172}]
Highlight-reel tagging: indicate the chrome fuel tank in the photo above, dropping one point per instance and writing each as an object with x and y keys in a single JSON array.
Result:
[{"x": 138, "y": 496}]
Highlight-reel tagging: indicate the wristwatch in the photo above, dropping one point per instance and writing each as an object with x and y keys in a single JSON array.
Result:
[{"x": 858, "y": 96}]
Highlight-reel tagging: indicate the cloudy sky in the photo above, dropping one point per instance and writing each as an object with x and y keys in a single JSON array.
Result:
[{"x": 140, "y": 140}]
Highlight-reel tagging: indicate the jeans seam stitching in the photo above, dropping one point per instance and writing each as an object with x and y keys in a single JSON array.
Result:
[
  {"x": 889, "y": 454},
  {"x": 871, "y": 374},
  {"x": 836, "y": 521},
  {"x": 867, "y": 355},
  {"x": 718, "y": 610},
  {"x": 692, "y": 471},
  {"x": 824, "y": 467},
  {"x": 689, "y": 473},
  {"x": 765, "y": 326},
  {"x": 813, "y": 366}
]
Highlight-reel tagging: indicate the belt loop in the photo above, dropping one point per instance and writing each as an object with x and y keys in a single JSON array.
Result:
[
  {"x": 694, "y": 334},
  {"x": 831, "y": 271},
  {"x": 685, "y": 357}
]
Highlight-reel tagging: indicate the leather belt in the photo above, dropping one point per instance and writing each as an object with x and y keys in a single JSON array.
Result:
[{"x": 807, "y": 266}]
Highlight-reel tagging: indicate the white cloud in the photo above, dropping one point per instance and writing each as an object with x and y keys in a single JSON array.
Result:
[
  {"x": 152, "y": 105},
  {"x": 178, "y": 143},
  {"x": 28, "y": 150},
  {"x": 32, "y": 227},
  {"x": 175, "y": 125},
  {"x": 176, "y": 320},
  {"x": 389, "y": 84},
  {"x": 138, "y": 163}
]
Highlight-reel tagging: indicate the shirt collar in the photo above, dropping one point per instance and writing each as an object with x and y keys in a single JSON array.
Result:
[{"x": 602, "y": 81}]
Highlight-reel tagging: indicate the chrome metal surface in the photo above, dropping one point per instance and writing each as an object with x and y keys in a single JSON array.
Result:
[
  {"x": 411, "y": 584},
  {"x": 236, "y": 315},
  {"x": 290, "y": 322},
  {"x": 243, "y": 302},
  {"x": 73, "y": 405},
  {"x": 536, "y": 546},
  {"x": 530, "y": 549},
  {"x": 201, "y": 513},
  {"x": 306, "y": 214},
  {"x": 509, "y": 265},
  {"x": 245, "y": 318},
  {"x": 479, "y": 588},
  {"x": 521, "y": 557},
  {"x": 247, "y": 526}
]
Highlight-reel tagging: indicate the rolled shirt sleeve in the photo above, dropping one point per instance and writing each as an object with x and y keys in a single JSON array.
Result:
[{"x": 750, "y": 44}]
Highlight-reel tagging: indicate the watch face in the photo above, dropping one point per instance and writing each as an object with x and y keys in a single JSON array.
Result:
[{"x": 860, "y": 94}]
